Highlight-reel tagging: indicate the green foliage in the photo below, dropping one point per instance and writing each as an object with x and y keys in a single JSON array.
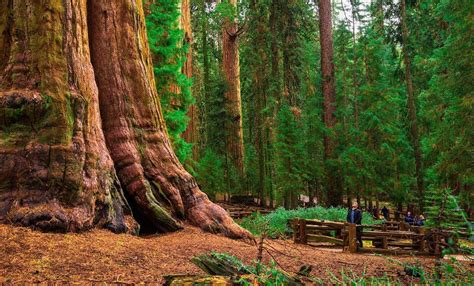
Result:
[
  {"x": 275, "y": 224},
  {"x": 265, "y": 274},
  {"x": 288, "y": 151},
  {"x": 282, "y": 98},
  {"x": 210, "y": 173},
  {"x": 442, "y": 210},
  {"x": 174, "y": 88},
  {"x": 448, "y": 101}
]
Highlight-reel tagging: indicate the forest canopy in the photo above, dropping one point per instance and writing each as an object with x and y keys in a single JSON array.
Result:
[{"x": 394, "y": 127}]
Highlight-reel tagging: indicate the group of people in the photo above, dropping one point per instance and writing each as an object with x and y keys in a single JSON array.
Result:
[
  {"x": 354, "y": 215},
  {"x": 377, "y": 214},
  {"x": 417, "y": 220}
]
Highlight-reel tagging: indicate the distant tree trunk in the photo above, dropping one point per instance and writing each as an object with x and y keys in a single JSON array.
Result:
[
  {"x": 206, "y": 68},
  {"x": 191, "y": 132},
  {"x": 329, "y": 92},
  {"x": 354, "y": 71},
  {"x": 290, "y": 57},
  {"x": 276, "y": 91},
  {"x": 411, "y": 104},
  {"x": 233, "y": 105},
  {"x": 260, "y": 87},
  {"x": 56, "y": 171}
]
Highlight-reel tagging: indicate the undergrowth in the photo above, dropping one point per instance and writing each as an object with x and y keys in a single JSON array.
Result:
[{"x": 275, "y": 224}]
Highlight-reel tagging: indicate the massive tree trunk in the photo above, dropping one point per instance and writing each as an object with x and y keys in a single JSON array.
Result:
[
  {"x": 190, "y": 134},
  {"x": 233, "y": 104},
  {"x": 329, "y": 93},
  {"x": 56, "y": 171},
  {"x": 411, "y": 104}
]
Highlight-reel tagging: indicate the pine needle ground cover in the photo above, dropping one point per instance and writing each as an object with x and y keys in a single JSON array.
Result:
[{"x": 100, "y": 256}]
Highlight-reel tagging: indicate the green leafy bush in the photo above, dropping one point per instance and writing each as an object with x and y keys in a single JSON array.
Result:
[{"x": 275, "y": 224}]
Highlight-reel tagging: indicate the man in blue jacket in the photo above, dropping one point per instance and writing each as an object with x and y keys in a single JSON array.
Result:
[
  {"x": 354, "y": 215},
  {"x": 409, "y": 218}
]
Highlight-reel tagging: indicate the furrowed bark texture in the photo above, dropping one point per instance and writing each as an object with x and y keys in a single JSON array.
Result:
[
  {"x": 56, "y": 168},
  {"x": 233, "y": 104},
  {"x": 329, "y": 93},
  {"x": 55, "y": 171},
  {"x": 158, "y": 187},
  {"x": 191, "y": 132}
]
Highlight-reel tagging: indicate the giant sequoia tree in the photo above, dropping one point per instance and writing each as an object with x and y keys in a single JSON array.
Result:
[{"x": 82, "y": 137}]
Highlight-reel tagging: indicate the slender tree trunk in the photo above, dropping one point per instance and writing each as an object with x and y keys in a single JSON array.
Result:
[
  {"x": 206, "y": 69},
  {"x": 191, "y": 132},
  {"x": 411, "y": 104},
  {"x": 67, "y": 180},
  {"x": 233, "y": 105},
  {"x": 276, "y": 91},
  {"x": 354, "y": 72},
  {"x": 260, "y": 87},
  {"x": 329, "y": 93}
]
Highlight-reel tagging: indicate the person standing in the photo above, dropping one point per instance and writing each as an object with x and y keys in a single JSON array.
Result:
[
  {"x": 354, "y": 215},
  {"x": 385, "y": 212},
  {"x": 409, "y": 218}
]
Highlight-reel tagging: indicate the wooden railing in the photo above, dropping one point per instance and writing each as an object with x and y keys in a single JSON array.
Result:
[
  {"x": 316, "y": 231},
  {"x": 237, "y": 211},
  {"x": 387, "y": 238}
]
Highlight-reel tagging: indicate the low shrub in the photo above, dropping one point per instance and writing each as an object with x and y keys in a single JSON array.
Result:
[{"x": 275, "y": 224}]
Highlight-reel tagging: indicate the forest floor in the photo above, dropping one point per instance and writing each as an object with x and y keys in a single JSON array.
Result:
[{"x": 100, "y": 256}]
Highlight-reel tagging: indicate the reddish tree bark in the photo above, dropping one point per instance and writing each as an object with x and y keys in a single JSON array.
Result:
[
  {"x": 191, "y": 133},
  {"x": 58, "y": 172},
  {"x": 233, "y": 104},
  {"x": 329, "y": 93},
  {"x": 55, "y": 171}
]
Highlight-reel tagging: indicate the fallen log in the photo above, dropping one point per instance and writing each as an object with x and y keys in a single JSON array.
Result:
[
  {"x": 223, "y": 265},
  {"x": 178, "y": 280},
  {"x": 216, "y": 264}
]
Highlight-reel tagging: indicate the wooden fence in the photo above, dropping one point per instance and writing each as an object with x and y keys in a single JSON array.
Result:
[
  {"x": 389, "y": 238},
  {"x": 237, "y": 211}
]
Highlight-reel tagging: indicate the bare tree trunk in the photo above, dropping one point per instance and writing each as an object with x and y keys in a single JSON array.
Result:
[
  {"x": 67, "y": 180},
  {"x": 329, "y": 92},
  {"x": 191, "y": 132},
  {"x": 233, "y": 105},
  {"x": 260, "y": 101},
  {"x": 411, "y": 103}
]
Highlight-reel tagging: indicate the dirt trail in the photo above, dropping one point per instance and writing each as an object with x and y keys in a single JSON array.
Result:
[{"x": 101, "y": 256}]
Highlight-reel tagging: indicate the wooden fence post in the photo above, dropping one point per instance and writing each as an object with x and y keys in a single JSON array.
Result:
[
  {"x": 303, "y": 239},
  {"x": 352, "y": 238},
  {"x": 294, "y": 226},
  {"x": 422, "y": 243},
  {"x": 403, "y": 226}
]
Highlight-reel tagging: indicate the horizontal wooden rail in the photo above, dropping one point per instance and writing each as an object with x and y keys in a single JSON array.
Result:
[{"x": 389, "y": 238}]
